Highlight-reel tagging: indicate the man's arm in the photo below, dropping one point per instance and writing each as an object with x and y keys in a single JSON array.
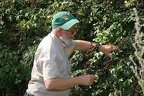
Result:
[
  {"x": 86, "y": 46},
  {"x": 83, "y": 45},
  {"x": 61, "y": 84}
]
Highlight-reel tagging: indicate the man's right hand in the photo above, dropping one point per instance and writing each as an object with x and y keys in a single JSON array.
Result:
[{"x": 87, "y": 80}]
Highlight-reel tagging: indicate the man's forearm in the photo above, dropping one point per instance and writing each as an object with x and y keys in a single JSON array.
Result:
[
  {"x": 61, "y": 84},
  {"x": 83, "y": 45},
  {"x": 86, "y": 45}
]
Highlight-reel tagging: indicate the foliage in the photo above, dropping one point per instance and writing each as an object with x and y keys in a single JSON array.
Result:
[{"x": 23, "y": 23}]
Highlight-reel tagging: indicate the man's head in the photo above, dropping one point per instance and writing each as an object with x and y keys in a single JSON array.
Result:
[
  {"x": 64, "y": 25},
  {"x": 63, "y": 20}
]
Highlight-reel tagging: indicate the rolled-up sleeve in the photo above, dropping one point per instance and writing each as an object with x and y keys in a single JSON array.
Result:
[
  {"x": 50, "y": 69},
  {"x": 49, "y": 66}
]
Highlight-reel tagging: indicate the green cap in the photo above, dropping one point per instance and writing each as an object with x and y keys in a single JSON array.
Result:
[{"x": 64, "y": 20}]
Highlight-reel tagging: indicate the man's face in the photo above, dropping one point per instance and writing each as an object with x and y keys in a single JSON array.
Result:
[{"x": 67, "y": 36}]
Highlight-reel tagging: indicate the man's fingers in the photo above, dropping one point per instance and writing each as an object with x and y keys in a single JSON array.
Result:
[
  {"x": 113, "y": 47},
  {"x": 94, "y": 77},
  {"x": 108, "y": 55}
]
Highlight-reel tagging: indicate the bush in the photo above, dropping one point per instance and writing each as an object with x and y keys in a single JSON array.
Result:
[{"x": 24, "y": 23}]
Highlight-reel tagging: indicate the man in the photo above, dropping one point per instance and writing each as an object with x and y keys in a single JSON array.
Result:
[{"x": 51, "y": 69}]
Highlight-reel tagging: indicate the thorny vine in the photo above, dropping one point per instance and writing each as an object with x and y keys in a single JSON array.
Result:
[{"x": 138, "y": 67}]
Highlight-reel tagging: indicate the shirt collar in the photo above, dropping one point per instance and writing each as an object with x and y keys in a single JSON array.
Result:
[{"x": 57, "y": 41}]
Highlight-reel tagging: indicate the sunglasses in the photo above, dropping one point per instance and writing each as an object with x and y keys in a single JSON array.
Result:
[{"x": 73, "y": 31}]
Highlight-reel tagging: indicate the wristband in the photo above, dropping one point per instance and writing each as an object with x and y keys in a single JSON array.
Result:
[{"x": 96, "y": 47}]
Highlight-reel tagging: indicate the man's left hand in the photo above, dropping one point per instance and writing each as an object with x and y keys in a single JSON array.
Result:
[{"x": 106, "y": 49}]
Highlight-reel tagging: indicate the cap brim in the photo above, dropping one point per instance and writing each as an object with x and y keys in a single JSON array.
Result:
[{"x": 69, "y": 24}]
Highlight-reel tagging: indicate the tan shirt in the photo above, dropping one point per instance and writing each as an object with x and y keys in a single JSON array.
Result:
[{"x": 51, "y": 61}]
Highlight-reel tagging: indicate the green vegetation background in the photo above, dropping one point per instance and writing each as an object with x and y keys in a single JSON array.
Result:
[{"x": 23, "y": 24}]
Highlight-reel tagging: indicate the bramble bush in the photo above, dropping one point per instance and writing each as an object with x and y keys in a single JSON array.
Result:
[{"x": 23, "y": 24}]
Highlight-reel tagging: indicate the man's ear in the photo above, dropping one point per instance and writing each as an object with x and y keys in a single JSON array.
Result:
[{"x": 59, "y": 32}]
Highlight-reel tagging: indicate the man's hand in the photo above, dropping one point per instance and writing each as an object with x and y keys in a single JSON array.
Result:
[
  {"x": 106, "y": 49},
  {"x": 87, "y": 80}
]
